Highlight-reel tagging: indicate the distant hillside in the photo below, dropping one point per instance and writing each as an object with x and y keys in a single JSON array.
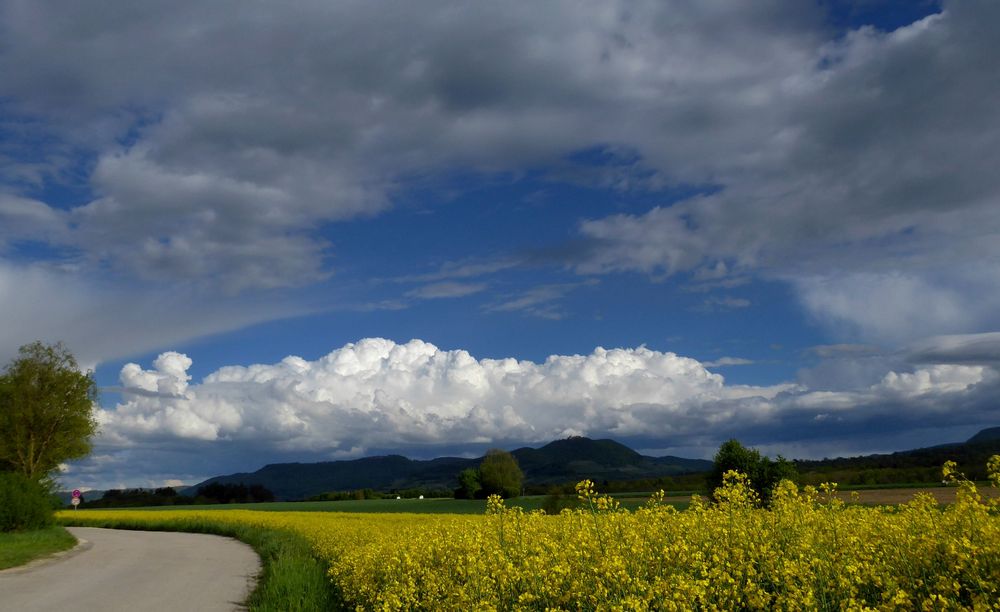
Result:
[
  {"x": 577, "y": 458},
  {"x": 605, "y": 461},
  {"x": 557, "y": 462},
  {"x": 920, "y": 465},
  {"x": 987, "y": 435}
]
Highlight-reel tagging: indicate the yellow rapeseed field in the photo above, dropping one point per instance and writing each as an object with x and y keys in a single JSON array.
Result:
[{"x": 808, "y": 551}]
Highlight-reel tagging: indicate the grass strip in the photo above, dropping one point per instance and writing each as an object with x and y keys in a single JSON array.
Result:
[
  {"x": 20, "y": 547},
  {"x": 292, "y": 579}
]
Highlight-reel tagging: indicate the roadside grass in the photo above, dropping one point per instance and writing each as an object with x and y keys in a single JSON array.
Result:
[
  {"x": 292, "y": 579},
  {"x": 20, "y": 547}
]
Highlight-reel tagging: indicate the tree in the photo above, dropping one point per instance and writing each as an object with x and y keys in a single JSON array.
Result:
[
  {"x": 764, "y": 474},
  {"x": 468, "y": 484},
  {"x": 499, "y": 474},
  {"x": 46, "y": 411}
]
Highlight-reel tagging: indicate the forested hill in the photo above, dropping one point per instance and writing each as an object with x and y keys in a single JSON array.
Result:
[
  {"x": 578, "y": 458},
  {"x": 912, "y": 466},
  {"x": 605, "y": 461},
  {"x": 561, "y": 461},
  {"x": 987, "y": 435}
]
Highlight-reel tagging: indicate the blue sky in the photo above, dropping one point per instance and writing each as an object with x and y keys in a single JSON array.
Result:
[{"x": 350, "y": 228}]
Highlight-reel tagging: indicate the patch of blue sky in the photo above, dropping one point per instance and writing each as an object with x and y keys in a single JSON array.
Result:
[
  {"x": 525, "y": 312},
  {"x": 41, "y": 167},
  {"x": 38, "y": 251},
  {"x": 883, "y": 15}
]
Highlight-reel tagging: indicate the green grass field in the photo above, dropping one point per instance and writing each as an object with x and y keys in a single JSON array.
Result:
[
  {"x": 630, "y": 501},
  {"x": 20, "y": 547},
  {"x": 416, "y": 506}
]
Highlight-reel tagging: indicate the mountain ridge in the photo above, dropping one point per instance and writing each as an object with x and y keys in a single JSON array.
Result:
[
  {"x": 575, "y": 458},
  {"x": 558, "y": 461}
]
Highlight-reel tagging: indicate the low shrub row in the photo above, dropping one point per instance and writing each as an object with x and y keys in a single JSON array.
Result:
[{"x": 24, "y": 503}]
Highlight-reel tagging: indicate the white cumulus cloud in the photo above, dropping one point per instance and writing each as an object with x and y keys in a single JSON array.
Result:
[{"x": 379, "y": 395}]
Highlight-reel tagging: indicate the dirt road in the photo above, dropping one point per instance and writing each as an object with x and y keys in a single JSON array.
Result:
[{"x": 136, "y": 571}]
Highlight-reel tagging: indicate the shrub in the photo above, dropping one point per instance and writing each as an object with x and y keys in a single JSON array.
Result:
[
  {"x": 24, "y": 503},
  {"x": 555, "y": 502}
]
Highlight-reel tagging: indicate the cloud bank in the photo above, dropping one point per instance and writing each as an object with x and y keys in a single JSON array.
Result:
[{"x": 375, "y": 395}]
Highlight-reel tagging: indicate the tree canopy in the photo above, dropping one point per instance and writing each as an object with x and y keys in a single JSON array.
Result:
[
  {"x": 764, "y": 474},
  {"x": 46, "y": 411},
  {"x": 499, "y": 474},
  {"x": 468, "y": 484}
]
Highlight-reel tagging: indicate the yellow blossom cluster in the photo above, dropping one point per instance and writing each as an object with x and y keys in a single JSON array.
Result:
[{"x": 808, "y": 551}]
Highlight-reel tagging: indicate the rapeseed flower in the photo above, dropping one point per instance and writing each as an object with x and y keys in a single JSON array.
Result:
[{"x": 808, "y": 551}]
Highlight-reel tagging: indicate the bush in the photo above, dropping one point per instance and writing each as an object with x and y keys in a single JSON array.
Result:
[
  {"x": 24, "y": 503},
  {"x": 555, "y": 502}
]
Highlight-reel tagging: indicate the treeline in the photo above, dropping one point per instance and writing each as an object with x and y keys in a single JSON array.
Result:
[
  {"x": 874, "y": 477},
  {"x": 915, "y": 467},
  {"x": 922, "y": 465},
  {"x": 214, "y": 493}
]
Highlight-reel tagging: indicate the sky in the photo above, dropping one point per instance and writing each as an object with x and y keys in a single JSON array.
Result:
[{"x": 330, "y": 229}]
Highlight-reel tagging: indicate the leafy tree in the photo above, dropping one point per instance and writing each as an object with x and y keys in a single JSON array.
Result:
[
  {"x": 46, "y": 411},
  {"x": 499, "y": 474},
  {"x": 468, "y": 484},
  {"x": 764, "y": 474}
]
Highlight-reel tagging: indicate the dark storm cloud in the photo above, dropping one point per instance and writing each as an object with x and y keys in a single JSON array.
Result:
[
  {"x": 218, "y": 126},
  {"x": 213, "y": 127}
]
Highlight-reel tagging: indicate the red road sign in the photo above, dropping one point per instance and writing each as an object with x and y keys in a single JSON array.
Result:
[{"x": 76, "y": 492}]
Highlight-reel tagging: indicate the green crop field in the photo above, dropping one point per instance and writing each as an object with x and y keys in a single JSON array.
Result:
[{"x": 415, "y": 506}]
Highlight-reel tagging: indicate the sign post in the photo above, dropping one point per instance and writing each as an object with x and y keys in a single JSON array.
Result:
[{"x": 76, "y": 498}]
